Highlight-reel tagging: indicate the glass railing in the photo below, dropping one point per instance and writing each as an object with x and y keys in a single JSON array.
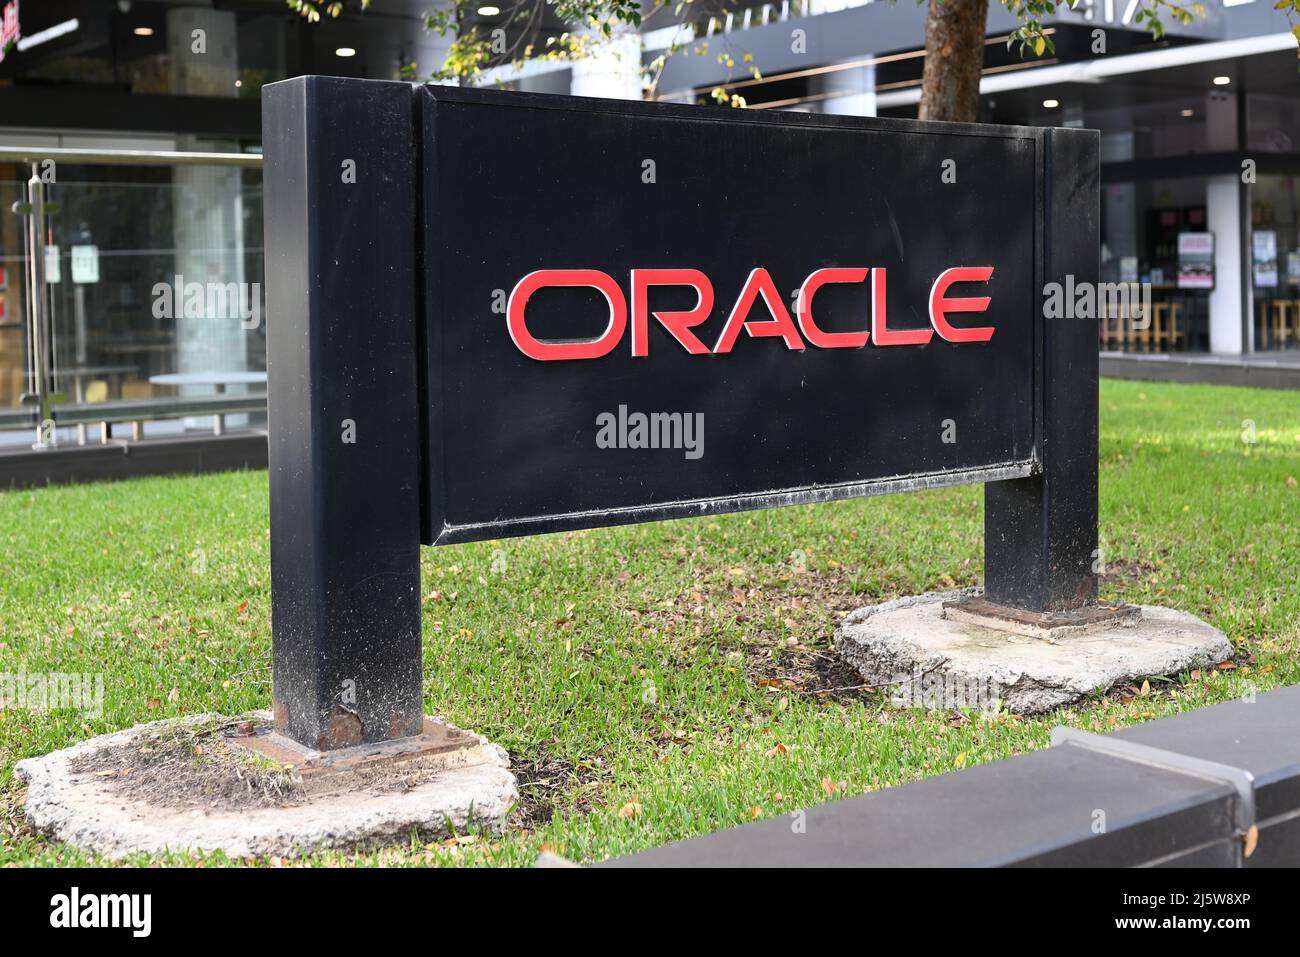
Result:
[{"x": 144, "y": 316}]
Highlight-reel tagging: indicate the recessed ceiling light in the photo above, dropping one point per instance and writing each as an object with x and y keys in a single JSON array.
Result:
[
  {"x": 143, "y": 31},
  {"x": 345, "y": 52},
  {"x": 488, "y": 11},
  {"x": 1189, "y": 113},
  {"x": 1051, "y": 104},
  {"x": 239, "y": 83},
  {"x": 1222, "y": 80}
]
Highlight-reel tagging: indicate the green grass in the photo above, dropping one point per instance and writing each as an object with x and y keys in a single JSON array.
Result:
[{"x": 658, "y": 681}]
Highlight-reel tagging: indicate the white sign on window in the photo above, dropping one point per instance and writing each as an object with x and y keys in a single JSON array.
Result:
[
  {"x": 85, "y": 264},
  {"x": 53, "y": 264}
]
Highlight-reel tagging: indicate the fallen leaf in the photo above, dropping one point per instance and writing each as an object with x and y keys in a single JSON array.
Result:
[
  {"x": 755, "y": 812},
  {"x": 243, "y": 607},
  {"x": 778, "y": 750},
  {"x": 631, "y": 809},
  {"x": 1228, "y": 665},
  {"x": 153, "y": 703},
  {"x": 174, "y": 695},
  {"x": 830, "y": 787},
  {"x": 1145, "y": 689}
]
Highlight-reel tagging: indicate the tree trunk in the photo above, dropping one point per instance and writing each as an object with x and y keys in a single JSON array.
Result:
[{"x": 954, "y": 57}]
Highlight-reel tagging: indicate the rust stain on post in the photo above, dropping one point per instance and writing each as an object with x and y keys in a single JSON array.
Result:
[{"x": 344, "y": 731}]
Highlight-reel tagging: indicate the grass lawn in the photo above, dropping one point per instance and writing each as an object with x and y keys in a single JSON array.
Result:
[{"x": 658, "y": 681}]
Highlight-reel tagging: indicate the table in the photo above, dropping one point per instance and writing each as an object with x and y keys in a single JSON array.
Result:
[{"x": 218, "y": 379}]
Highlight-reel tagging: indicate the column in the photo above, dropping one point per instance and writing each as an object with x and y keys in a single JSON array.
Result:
[
  {"x": 612, "y": 68},
  {"x": 1225, "y": 208},
  {"x": 208, "y": 206}
]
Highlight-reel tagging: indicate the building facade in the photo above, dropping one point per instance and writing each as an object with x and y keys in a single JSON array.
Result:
[{"x": 153, "y": 271}]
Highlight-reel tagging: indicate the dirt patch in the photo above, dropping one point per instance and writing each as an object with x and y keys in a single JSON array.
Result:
[
  {"x": 788, "y": 622},
  {"x": 819, "y": 673},
  {"x": 801, "y": 657},
  {"x": 544, "y": 782},
  {"x": 188, "y": 766},
  {"x": 13, "y": 819},
  {"x": 1126, "y": 571}
]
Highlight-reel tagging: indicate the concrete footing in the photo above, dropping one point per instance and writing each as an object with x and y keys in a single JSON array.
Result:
[
  {"x": 943, "y": 650},
  {"x": 77, "y": 795}
]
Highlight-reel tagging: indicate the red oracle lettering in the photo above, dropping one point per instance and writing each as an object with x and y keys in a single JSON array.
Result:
[
  {"x": 548, "y": 351},
  {"x": 807, "y": 325},
  {"x": 759, "y": 283},
  {"x": 678, "y": 324},
  {"x": 939, "y": 304},
  {"x": 882, "y": 336}
]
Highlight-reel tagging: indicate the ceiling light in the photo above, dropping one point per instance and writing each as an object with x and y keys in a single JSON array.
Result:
[
  {"x": 1051, "y": 104},
  {"x": 1222, "y": 80},
  {"x": 345, "y": 52},
  {"x": 143, "y": 31},
  {"x": 1189, "y": 113},
  {"x": 44, "y": 36},
  {"x": 488, "y": 11}
]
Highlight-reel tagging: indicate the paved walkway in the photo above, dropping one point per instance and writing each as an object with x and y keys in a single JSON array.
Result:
[{"x": 1265, "y": 370}]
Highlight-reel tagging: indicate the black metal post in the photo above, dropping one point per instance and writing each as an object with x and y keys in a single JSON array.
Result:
[
  {"x": 1040, "y": 533},
  {"x": 344, "y": 426}
]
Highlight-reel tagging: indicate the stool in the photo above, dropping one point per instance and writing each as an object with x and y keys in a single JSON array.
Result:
[
  {"x": 1281, "y": 332},
  {"x": 1123, "y": 328},
  {"x": 1175, "y": 333},
  {"x": 1143, "y": 327},
  {"x": 1112, "y": 329}
]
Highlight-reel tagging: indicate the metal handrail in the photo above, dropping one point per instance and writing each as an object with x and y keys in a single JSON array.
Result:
[
  {"x": 127, "y": 410},
  {"x": 136, "y": 411},
  {"x": 26, "y": 154}
]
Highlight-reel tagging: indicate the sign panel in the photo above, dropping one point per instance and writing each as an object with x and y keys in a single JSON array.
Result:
[
  {"x": 85, "y": 264},
  {"x": 657, "y": 311},
  {"x": 1264, "y": 257},
  {"x": 1196, "y": 260}
]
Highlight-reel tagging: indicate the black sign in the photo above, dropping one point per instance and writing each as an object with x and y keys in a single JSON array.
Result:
[
  {"x": 613, "y": 298},
  {"x": 494, "y": 314}
]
